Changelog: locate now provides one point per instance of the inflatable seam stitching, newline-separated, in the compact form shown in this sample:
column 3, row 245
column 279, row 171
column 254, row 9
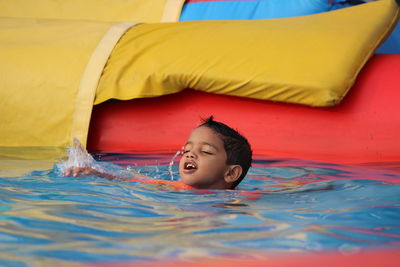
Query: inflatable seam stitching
column 90, row 78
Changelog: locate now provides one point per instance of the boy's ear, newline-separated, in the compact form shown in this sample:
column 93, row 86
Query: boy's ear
column 233, row 173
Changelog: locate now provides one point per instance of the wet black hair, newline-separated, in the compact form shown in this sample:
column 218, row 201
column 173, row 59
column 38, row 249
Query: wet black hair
column 236, row 146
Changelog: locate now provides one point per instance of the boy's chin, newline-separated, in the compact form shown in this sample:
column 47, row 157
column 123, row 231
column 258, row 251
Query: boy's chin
column 188, row 181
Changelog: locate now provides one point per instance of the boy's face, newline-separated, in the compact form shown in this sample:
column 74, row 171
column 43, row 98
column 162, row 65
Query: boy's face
column 203, row 164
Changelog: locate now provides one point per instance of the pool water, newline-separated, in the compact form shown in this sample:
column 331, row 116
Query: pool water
column 283, row 206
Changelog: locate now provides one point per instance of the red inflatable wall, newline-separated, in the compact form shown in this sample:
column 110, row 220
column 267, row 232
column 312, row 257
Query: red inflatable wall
column 364, row 128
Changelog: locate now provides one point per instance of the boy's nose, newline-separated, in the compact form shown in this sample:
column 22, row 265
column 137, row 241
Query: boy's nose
column 191, row 155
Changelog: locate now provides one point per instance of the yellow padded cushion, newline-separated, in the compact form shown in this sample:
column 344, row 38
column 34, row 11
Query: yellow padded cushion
column 102, row 10
column 311, row 60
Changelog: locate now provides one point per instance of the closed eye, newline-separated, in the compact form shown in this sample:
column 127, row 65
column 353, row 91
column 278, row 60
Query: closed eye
column 206, row 152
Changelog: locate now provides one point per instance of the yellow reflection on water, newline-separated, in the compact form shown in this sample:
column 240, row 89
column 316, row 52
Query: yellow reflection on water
column 17, row 161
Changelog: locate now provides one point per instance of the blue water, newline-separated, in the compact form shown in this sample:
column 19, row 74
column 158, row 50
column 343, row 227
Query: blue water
column 283, row 206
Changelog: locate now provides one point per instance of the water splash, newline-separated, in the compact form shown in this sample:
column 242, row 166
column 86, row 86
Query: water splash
column 171, row 163
column 78, row 157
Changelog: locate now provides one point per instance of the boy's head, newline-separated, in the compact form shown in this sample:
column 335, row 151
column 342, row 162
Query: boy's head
column 215, row 157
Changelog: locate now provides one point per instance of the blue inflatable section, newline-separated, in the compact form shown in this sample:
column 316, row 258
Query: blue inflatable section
column 270, row 9
column 257, row 9
column 392, row 44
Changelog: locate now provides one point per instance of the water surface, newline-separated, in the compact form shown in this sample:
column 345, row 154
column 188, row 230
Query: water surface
column 283, row 206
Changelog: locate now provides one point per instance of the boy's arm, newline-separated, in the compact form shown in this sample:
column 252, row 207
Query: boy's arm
column 81, row 163
column 83, row 171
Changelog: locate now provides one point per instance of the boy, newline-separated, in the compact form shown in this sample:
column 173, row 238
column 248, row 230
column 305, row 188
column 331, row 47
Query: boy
column 214, row 157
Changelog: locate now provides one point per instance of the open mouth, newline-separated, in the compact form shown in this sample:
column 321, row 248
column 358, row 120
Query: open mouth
column 190, row 166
